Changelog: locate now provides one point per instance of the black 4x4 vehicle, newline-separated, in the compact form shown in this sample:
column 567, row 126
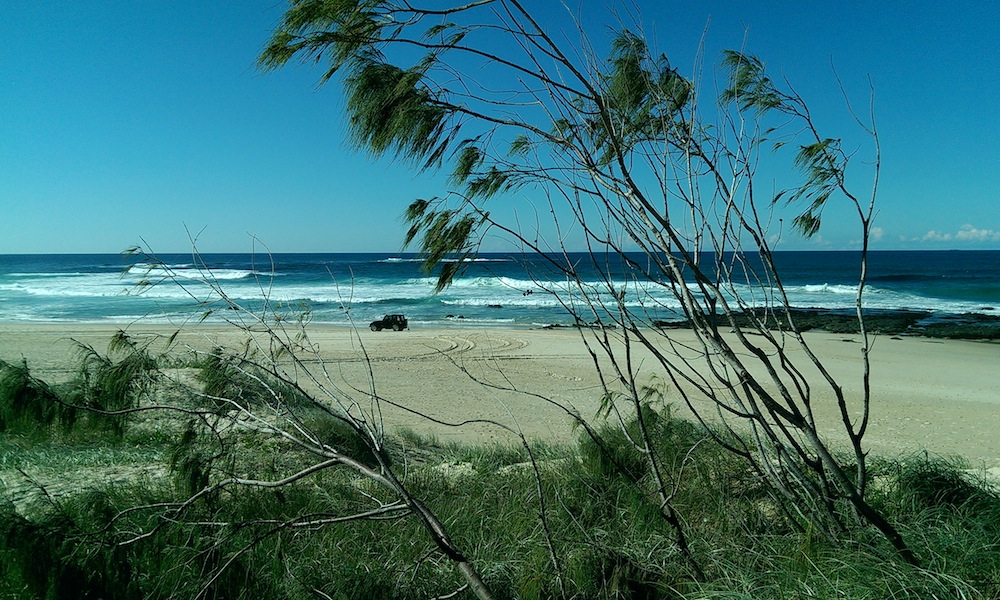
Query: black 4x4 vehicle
column 396, row 322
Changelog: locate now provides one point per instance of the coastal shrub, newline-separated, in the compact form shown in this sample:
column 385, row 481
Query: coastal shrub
column 28, row 404
column 191, row 461
column 955, row 512
column 222, row 382
column 937, row 483
column 483, row 458
column 109, row 385
column 232, row 382
column 608, row 573
column 613, row 451
column 774, row 567
column 687, row 455
column 52, row 558
column 488, row 458
column 612, row 119
column 334, row 430
column 605, row 525
column 87, row 546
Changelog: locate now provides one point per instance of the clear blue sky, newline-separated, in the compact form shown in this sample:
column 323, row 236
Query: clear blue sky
column 123, row 121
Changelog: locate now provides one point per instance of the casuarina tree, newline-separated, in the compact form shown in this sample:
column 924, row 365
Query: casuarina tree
column 562, row 137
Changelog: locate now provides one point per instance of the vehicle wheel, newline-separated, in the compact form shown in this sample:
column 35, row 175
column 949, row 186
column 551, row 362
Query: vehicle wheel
column 397, row 327
column 375, row 327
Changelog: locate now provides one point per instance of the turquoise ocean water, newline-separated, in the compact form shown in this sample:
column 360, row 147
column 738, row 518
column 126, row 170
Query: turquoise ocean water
column 497, row 290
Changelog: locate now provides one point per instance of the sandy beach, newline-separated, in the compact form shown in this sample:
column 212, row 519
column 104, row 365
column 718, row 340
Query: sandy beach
column 938, row 396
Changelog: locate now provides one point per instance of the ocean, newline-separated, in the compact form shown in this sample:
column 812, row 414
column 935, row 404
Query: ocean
column 496, row 291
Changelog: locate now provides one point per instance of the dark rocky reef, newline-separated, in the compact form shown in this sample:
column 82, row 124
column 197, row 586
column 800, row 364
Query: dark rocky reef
column 922, row 323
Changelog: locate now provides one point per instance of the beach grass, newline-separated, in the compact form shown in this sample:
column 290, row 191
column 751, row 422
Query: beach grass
column 606, row 532
column 85, row 512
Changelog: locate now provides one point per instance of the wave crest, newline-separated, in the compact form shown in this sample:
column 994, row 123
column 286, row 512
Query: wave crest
column 192, row 272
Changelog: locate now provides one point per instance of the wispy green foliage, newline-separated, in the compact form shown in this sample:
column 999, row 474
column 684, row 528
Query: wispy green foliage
column 824, row 171
column 38, row 558
column 627, row 83
column 444, row 234
column 339, row 31
column 334, row 431
column 232, row 381
column 749, row 86
column 470, row 157
column 620, row 149
column 489, row 183
column 823, row 165
column 938, row 484
column 520, row 146
column 73, row 553
column 114, row 382
column 616, row 453
column 642, row 99
column 391, row 111
column 191, row 461
column 641, row 90
column 821, row 162
column 224, row 384
column 28, row 404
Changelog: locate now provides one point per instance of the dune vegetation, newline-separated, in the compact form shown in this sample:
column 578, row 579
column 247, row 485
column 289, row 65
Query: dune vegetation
column 103, row 503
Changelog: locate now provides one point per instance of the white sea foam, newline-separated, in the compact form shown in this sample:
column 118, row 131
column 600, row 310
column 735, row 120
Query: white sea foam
column 192, row 272
column 464, row 319
column 143, row 267
column 477, row 291
column 44, row 275
column 68, row 287
column 825, row 288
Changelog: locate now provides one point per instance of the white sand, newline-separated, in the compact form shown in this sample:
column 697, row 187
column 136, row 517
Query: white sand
column 933, row 395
